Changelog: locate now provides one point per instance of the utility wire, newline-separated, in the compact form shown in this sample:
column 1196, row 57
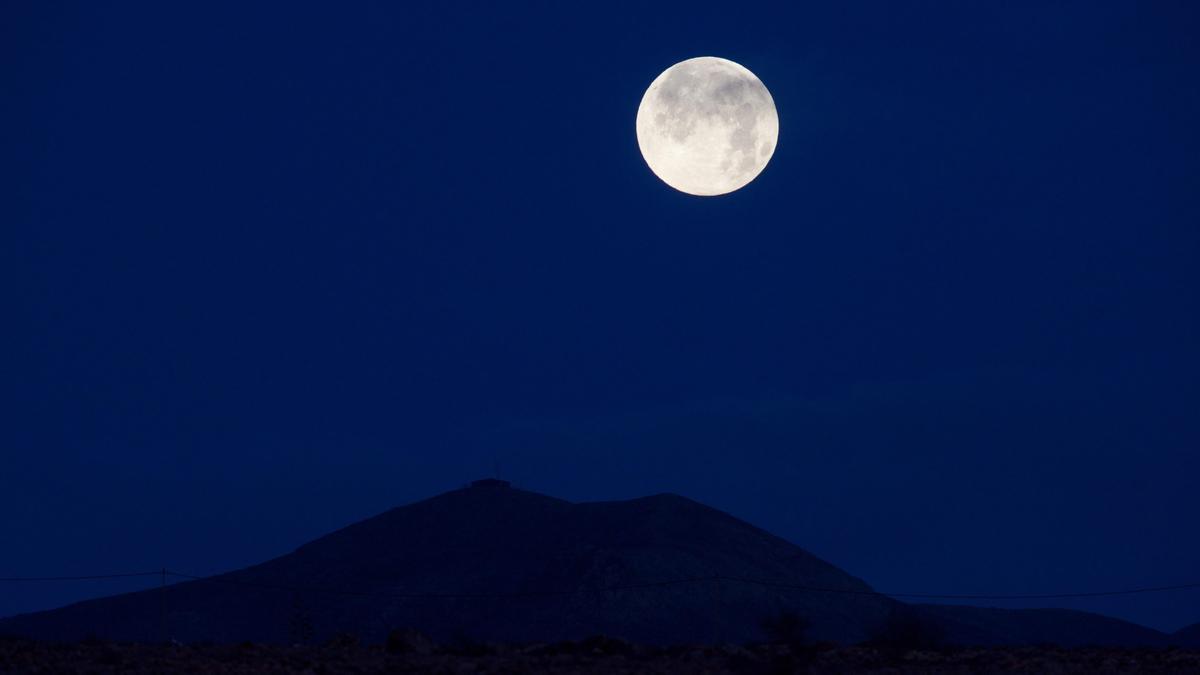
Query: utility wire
column 607, row 589
column 88, row 577
column 690, row 580
column 951, row 596
column 444, row 596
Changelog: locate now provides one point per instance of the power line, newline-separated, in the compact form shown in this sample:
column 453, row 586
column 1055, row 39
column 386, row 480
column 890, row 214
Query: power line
column 445, row 596
column 616, row 588
column 952, row 596
column 692, row 580
column 88, row 577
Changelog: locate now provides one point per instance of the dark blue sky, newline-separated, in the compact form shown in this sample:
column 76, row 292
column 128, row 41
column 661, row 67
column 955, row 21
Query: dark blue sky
column 267, row 272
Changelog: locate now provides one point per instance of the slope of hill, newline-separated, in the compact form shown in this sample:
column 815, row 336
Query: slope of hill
column 1068, row 628
column 490, row 540
column 1188, row 636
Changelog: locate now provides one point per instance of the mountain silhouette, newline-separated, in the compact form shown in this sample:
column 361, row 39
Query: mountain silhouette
column 1189, row 636
column 490, row 562
column 959, row 624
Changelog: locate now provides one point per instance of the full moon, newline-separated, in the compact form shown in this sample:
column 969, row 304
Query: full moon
column 707, row 126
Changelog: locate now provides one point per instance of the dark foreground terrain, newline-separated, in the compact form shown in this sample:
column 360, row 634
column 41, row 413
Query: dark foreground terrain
column 594, row 655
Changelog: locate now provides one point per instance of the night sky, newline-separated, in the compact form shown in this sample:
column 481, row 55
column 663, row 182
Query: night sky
column 266, row 272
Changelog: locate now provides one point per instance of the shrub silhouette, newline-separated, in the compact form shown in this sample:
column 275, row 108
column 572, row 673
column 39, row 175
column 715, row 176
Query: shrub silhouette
column 462, row 643
column 406, row 641
column 300, row 626
column 789, row 629
column 786, row 628
column 906, row 630
column 603, row 644
column 341, row 640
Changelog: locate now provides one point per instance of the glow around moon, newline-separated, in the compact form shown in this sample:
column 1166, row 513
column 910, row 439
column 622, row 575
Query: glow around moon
column 707, row 126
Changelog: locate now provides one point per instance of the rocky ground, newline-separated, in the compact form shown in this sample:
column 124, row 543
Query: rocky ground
column 413, row 654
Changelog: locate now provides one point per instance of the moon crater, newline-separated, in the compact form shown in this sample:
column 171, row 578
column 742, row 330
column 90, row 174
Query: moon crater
column 707, row 126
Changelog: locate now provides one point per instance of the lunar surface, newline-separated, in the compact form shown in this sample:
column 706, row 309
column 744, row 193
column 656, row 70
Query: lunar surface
column 707, row 126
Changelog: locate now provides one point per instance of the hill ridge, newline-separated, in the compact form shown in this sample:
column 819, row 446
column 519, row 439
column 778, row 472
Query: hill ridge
column 487, row 540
